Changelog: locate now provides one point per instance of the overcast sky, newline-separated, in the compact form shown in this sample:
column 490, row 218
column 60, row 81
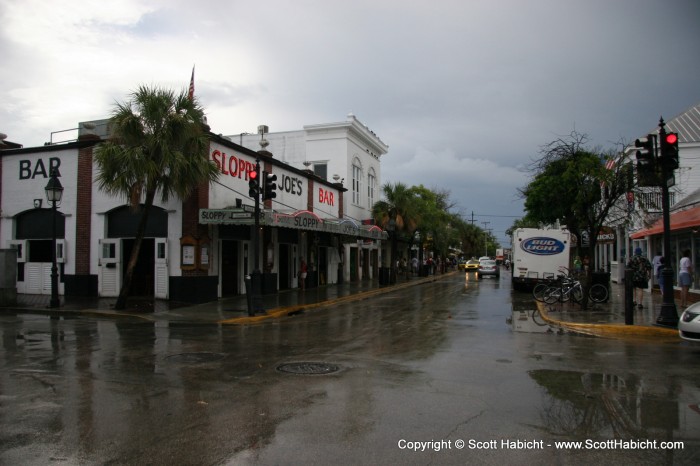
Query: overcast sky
column 464, row 92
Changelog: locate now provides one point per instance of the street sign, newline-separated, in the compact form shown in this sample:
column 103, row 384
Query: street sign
column 226, row 216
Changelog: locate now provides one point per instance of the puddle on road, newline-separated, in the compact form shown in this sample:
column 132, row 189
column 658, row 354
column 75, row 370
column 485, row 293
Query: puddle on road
column 529, row 321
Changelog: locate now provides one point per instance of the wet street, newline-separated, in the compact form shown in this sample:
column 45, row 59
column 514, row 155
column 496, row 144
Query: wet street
column 452, row 372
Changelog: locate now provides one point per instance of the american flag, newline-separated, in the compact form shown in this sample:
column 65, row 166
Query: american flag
column 191, row 92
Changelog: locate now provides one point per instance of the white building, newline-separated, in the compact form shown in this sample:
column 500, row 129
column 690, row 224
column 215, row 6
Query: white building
column 345, row 152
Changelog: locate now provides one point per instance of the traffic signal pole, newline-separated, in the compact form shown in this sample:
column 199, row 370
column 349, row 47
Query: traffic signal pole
column 668, row 316
column 253, row 281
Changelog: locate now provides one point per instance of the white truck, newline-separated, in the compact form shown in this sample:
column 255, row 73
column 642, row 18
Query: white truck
column 539, row 255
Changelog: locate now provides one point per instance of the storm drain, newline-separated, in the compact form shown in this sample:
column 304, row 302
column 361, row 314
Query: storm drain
column 308, row 368
column 195, row 358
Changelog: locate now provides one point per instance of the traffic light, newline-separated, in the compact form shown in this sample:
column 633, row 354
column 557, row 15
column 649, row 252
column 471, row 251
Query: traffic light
column 270, row 186
column 254, row 184
column 646, row 161
column 669, row 150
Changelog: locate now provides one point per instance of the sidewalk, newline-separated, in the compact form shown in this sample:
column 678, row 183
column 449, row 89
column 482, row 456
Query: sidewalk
column 607, row 319
column 232, row 310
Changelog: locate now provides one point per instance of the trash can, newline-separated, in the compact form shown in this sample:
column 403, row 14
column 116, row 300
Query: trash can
column 384, row 274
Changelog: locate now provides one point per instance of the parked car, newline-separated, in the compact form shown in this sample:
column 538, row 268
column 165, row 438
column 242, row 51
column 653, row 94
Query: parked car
column 488, row 267
column 472, row 264
column 689, row 323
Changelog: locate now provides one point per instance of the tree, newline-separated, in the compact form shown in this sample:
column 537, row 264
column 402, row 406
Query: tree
column 397, row 209
column 158, row 143
column 579, row 186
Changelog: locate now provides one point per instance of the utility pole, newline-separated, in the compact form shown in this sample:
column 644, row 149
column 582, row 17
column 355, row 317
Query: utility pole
column 486, row 247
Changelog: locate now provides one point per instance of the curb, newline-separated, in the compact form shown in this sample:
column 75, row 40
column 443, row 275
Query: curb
column 287, row 310
column 611, row 330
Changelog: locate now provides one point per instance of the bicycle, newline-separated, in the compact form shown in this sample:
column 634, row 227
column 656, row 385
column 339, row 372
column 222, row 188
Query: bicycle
column 539, row 289
column 572, row 289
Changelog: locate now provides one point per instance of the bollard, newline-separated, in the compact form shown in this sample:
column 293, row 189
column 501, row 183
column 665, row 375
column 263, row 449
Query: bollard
column 629, row 298
column 249, row 295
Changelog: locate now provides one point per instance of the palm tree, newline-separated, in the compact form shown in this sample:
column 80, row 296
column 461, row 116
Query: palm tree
column 398, row 206
column 158, row 142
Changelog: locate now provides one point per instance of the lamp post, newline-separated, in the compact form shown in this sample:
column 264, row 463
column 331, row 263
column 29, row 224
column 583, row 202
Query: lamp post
column 54, row 193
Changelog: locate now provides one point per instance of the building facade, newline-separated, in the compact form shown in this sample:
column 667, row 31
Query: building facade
column 194, row 250
column 345, row 152
column 647, row 231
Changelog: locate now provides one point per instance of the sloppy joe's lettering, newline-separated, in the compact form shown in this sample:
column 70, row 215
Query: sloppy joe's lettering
column 231, row 165
column 289, row 184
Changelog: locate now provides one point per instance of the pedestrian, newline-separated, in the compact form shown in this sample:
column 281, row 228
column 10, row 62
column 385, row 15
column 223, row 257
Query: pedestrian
column 660, row 272
column 578, row 265
column 641, row 269
column 302, row 275
column 685, row 276
column 656, row 263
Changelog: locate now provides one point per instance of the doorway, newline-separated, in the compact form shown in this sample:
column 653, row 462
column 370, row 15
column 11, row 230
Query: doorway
column 143, row 279
column 229, row 268
column 284, row 267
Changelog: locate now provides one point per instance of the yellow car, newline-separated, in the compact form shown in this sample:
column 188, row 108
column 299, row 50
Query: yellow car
column 471, row 265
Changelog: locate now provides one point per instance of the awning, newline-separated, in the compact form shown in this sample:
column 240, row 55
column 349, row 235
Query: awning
column 305, row 220
column 688, row 218
column 301, row 220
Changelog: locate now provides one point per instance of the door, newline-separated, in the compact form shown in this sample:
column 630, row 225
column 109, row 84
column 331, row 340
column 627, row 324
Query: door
column 284, row 267
column 110, row 267
column 229, row 268
column 160, row 285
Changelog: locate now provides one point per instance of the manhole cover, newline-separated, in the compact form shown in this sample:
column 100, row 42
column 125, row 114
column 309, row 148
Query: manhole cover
column 195, row 358
column 308, row 368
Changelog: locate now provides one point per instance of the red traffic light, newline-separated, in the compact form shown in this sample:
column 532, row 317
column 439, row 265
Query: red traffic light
column 253, row 174
column 671, row 138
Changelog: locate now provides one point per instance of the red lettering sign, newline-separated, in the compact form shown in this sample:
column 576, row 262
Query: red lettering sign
column 234, row 166
column 325, row 197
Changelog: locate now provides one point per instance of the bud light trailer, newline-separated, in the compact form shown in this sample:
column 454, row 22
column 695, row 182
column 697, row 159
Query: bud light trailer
column 538, row 255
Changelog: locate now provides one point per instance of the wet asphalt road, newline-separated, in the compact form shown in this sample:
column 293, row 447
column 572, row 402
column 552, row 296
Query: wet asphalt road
column 425, row 368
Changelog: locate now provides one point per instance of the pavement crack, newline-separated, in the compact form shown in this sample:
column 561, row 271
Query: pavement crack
column 465, row 422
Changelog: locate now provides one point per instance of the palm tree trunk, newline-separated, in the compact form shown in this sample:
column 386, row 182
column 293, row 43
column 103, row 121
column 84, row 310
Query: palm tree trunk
column 140, row 232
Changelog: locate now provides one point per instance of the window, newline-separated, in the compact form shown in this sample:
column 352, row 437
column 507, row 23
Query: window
column 356, row 181
column 371, row 185
column 321, row 170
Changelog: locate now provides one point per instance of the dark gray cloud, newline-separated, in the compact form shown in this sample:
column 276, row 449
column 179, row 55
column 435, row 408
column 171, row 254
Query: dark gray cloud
column 464, row 93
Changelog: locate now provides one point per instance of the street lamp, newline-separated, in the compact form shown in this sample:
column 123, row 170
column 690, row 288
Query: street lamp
column 54, row 193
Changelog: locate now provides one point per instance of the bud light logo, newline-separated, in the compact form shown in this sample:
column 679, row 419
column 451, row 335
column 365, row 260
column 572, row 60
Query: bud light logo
column 542, row 246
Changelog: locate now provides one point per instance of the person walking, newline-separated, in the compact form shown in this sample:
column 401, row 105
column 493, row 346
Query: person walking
column 641, row 269
column 656, row 263
column 302, row 275
column 685, row 276
column 660, row 272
